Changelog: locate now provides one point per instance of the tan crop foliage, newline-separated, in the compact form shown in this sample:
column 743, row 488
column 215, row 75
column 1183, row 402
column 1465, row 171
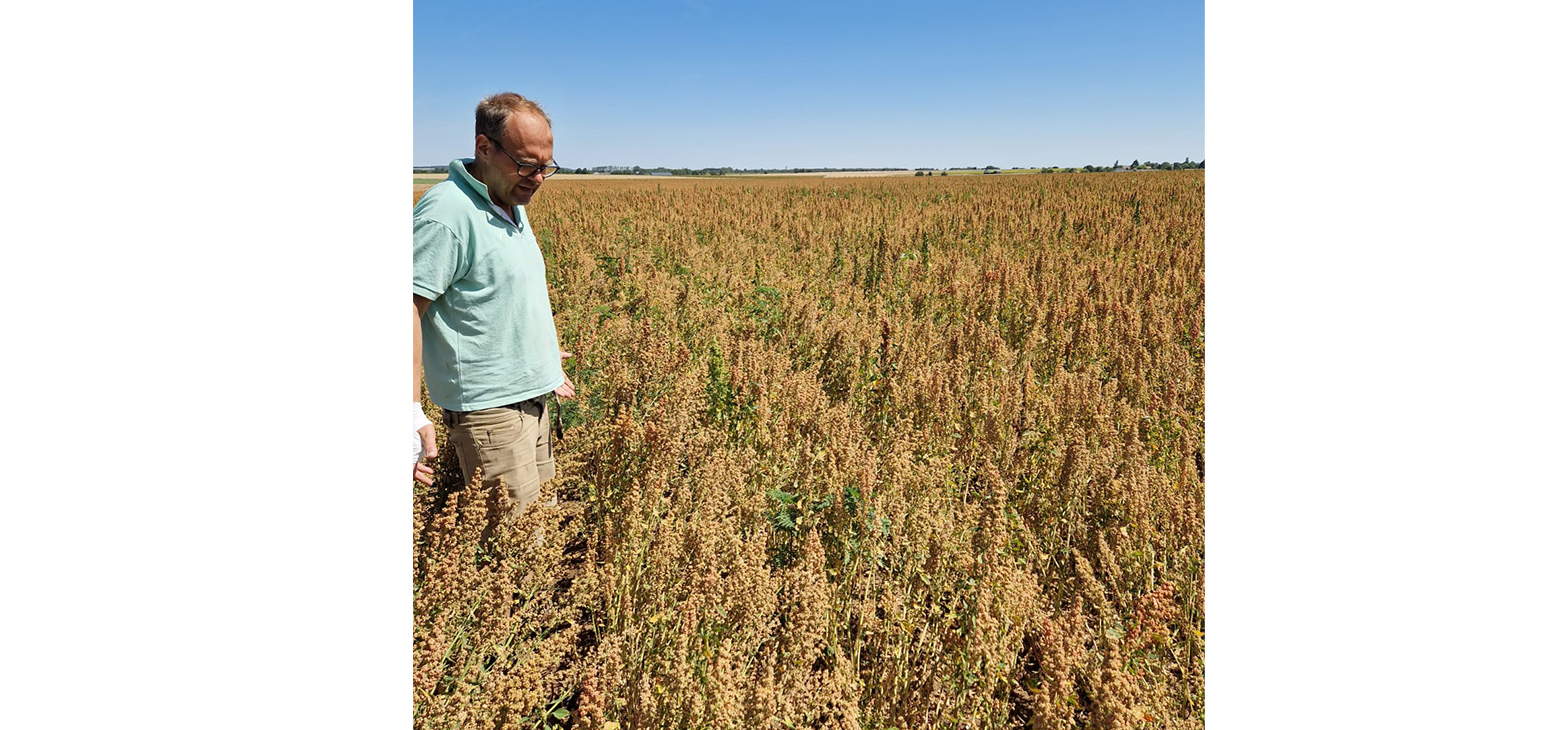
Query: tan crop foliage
column 855, row 453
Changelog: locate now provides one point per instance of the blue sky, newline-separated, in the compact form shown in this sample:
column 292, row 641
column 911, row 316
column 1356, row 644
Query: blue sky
column 708, row 83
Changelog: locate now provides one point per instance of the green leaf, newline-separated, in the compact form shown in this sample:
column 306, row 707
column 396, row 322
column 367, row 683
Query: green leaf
column 780, row 495
column 852, row 494
column 561, row 714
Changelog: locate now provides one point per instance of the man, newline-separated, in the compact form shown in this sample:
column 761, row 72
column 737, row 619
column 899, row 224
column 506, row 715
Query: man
column 481, row 317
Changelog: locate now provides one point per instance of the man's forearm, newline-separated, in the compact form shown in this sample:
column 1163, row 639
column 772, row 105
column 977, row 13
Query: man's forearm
column 416, row 353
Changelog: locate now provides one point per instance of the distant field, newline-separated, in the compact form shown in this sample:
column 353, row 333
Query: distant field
column 982, row 172
column 422, row 181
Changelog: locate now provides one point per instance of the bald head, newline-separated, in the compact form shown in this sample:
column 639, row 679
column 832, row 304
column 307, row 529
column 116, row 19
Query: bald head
column 494, row 113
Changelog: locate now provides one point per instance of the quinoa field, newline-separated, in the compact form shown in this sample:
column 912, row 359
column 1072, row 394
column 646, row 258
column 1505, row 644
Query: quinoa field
column 874, row 453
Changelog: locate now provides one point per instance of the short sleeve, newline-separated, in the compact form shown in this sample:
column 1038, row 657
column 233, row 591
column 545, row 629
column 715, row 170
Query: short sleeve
column 438, row 258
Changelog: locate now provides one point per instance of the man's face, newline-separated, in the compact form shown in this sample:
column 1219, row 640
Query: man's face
column 528, row 139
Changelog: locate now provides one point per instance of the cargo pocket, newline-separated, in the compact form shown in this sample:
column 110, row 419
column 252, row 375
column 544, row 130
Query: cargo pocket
column 498, row 435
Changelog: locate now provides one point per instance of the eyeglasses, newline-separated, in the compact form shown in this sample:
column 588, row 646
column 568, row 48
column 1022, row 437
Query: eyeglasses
column 525, row 170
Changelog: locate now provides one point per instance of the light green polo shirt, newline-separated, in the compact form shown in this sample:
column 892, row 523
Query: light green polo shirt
column 488, row 337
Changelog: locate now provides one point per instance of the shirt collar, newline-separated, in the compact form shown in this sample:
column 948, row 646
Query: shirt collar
column 478, row 191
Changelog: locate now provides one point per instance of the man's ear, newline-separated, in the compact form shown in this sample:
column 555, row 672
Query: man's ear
column 484, row 145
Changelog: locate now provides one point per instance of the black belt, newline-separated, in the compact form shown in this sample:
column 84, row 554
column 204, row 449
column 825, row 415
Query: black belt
column 454, row 418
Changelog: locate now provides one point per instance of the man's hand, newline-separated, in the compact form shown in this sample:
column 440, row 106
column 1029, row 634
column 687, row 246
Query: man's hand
column 424, row 446
column 567, row 389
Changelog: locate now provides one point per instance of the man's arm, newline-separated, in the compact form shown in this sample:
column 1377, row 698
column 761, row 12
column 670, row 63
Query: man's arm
column 420, row 471
column 419, row 305
column 438, row 260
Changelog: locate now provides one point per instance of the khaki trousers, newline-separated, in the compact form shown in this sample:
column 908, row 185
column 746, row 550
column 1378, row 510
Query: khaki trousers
column 512, row 444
